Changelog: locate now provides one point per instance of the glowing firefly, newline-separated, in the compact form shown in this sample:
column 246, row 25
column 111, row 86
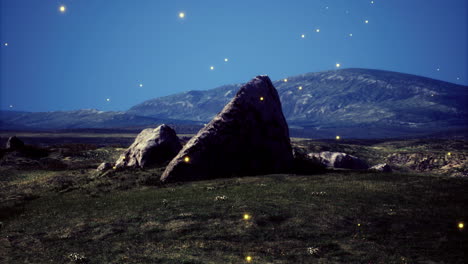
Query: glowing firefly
column 338, row 137
column 141, row 85
column 302, row 36
column 300, row 88
column 449, row 154
column 248, row 258
column 261, row 98
column 182, row 15
column 338, row 65
column 246, row 216
column 317, row 30
column 6, row 44
column 62, row 9
column 187, row 159
column 226, row 59
column 461, row 225
column 285, row 80
column 367, row 21
column 108, row 99
column 211, row 67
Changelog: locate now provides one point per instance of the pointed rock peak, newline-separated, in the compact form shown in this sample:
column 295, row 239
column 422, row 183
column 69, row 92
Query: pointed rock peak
column 249, row 136
column 151, row 147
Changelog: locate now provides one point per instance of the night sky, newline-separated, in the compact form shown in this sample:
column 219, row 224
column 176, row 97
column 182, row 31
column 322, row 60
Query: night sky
column 111, row 55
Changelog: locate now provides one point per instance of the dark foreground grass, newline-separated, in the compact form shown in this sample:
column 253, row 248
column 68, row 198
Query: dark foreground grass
column 345, row 217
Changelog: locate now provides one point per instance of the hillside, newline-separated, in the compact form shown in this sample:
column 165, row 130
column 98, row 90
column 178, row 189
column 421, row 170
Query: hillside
column 358, row 103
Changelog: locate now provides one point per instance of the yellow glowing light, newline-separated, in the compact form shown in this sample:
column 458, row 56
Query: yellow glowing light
column 338, row 65
column 246, row 216
column 449, row 154
column 212, row 68
column 285, row 80
column 181, row 14
column 187, row 159
column 114, row 167
column 62, row 9
column 338, row 137
column 461, row 225
column 317, row 30
column 261, row 98
column 226, row 59
column 248, row 258
column 302, row 36
column 300, row 88
column 358, row 224
column 367, row 21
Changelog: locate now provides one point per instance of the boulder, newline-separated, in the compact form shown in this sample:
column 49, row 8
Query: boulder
column 249, row 136
column 339, row 160
column 14, row 143
column 383, row 167
column 151, row 147
column 104, row 166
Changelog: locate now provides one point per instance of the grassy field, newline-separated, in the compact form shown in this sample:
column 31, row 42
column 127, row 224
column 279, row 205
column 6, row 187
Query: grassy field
column 58, row 209
column 337, row 217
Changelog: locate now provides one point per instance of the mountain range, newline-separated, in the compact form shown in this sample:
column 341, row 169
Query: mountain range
column 359, row 103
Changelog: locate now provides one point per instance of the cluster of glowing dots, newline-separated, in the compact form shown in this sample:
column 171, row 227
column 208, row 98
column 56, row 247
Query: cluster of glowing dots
column 248, row 258
column 338, row 137
column 187, row 159
column 181, row 15
column 62, row 9
column 461, row 225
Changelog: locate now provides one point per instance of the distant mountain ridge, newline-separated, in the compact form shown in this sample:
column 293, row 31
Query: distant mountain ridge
column 361, row 102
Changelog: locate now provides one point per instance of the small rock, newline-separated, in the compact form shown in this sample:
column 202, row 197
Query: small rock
column 14, row 143
column 338, row 160
column 104, row 166
column 383, row 167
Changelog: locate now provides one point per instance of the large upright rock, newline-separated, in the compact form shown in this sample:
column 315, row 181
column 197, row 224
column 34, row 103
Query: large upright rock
column 151, row 147
column 249, row 136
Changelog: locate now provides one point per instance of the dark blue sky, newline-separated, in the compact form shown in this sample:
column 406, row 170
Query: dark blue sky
column 99, row 50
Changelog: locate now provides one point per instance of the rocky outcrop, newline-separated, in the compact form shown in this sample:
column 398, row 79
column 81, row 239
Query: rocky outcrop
column 249, row 136
column 14, row 143
column 433, row 162
column 383, row 167
column 339, row 160
column 151, row 147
